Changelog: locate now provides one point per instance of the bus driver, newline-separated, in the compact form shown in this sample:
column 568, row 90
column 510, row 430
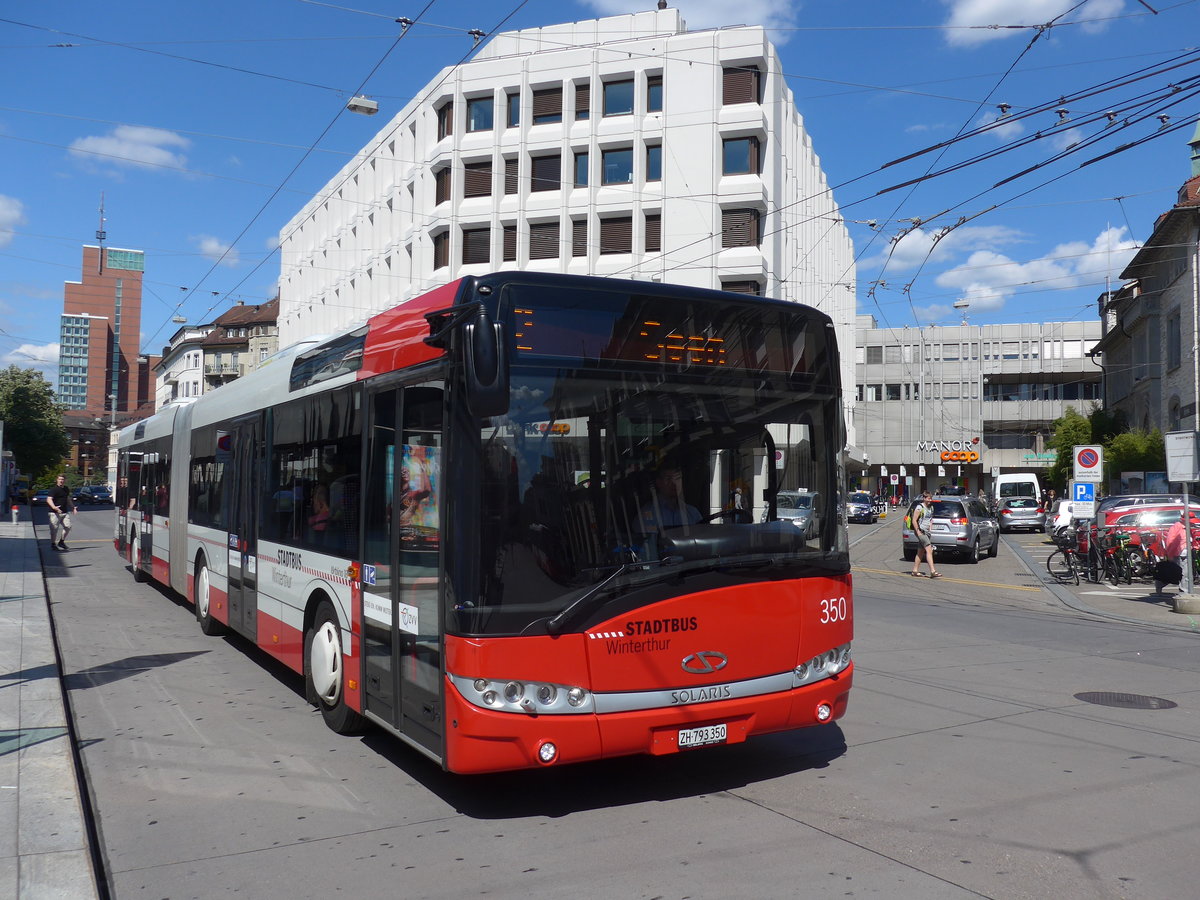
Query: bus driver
column 666, row 507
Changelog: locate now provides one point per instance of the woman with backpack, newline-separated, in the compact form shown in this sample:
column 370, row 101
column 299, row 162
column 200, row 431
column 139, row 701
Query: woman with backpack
column 921, row 520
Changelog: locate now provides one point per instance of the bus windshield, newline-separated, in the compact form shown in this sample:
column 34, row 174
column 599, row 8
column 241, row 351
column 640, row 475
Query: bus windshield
column 606, row 479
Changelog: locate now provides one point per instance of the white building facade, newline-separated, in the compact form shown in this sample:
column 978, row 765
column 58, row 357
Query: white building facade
column 953, row 404
column 625, row 147
column 180, row 372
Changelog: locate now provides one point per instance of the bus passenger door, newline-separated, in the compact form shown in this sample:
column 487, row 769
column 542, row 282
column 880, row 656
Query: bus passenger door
column 246, row 437
column 402, row 621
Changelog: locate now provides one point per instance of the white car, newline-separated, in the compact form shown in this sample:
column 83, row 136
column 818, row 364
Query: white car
column 1059, row 518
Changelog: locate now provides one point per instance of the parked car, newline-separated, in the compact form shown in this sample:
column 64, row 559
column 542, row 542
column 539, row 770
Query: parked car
column 799, row 507
column 1123, row 512
column 960, row 525
column 41, row 498
column 1058, row 517
column 94, row 494
column 1017, row 513
column 1118, row 501
column 860, row 507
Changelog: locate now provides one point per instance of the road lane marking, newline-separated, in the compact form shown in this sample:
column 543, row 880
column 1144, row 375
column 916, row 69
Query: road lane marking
column 945, row 577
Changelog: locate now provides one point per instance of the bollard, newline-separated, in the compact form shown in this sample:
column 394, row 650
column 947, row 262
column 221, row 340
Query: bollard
column 15, row 510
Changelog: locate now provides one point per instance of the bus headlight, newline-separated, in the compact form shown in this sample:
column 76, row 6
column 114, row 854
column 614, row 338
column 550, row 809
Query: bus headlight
column 822, row 666
column 527, row 698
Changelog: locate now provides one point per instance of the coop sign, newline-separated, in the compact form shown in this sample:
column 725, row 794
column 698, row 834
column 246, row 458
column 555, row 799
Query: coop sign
column 959, row 451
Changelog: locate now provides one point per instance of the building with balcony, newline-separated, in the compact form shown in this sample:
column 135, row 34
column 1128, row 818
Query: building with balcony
column 625, row 146
column 955, row 404
column 238, row 340
column 180, row 372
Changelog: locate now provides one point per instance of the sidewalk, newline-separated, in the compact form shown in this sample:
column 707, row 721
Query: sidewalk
column 1132, row 603
column 44, row 849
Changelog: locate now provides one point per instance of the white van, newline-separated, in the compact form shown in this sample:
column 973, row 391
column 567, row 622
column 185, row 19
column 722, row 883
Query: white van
column 1016, row 484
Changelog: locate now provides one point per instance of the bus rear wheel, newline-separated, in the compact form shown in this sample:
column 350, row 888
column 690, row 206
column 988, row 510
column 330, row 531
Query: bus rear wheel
column 325, row 672
column 203, row 592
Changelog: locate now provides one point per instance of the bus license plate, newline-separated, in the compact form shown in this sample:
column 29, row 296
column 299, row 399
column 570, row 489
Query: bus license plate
column 700, row 737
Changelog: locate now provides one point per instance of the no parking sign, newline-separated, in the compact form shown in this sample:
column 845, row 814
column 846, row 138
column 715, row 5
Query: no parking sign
column 1089, row 463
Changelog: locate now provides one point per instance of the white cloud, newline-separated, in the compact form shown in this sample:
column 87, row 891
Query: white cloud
column 1006, row 131
column 12, row 215
column 42, row 357
column 918, row 244
column 272, row 243
column 133, row 145
column 983, row 13
column 217, row 250
column 987, row 279
column 1062, row 140
column 716, row 13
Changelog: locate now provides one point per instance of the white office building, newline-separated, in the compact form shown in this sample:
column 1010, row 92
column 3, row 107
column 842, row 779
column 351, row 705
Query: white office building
column 625, row 146
column 956, row 404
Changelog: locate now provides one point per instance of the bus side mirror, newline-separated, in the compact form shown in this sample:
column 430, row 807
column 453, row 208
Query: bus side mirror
column 486, row 367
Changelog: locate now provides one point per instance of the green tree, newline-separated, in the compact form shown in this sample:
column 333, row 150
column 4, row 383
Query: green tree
column 1070, row 431
column 1136, row 451
column 1107, row 425
column 33, row 426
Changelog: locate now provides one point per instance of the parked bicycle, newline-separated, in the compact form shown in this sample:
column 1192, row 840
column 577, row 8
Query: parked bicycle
column 1066, row 564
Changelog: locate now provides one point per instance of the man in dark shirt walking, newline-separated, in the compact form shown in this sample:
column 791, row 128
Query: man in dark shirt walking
column 61, row 506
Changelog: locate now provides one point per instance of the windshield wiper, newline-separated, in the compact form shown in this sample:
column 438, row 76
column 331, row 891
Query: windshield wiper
column 585, row 601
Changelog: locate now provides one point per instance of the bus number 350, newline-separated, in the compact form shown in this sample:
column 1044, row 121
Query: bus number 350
column 834, row 610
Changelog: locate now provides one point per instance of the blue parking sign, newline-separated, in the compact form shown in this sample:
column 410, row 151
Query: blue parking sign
column 1083, row 492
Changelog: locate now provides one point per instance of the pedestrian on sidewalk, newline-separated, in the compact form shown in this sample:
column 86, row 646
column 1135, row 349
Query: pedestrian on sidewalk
column 61, row 507
column 1173, row 552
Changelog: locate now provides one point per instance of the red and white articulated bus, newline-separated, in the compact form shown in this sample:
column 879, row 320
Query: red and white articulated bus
column 523, row 520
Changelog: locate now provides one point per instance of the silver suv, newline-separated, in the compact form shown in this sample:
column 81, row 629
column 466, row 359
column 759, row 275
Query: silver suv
column 960, row 525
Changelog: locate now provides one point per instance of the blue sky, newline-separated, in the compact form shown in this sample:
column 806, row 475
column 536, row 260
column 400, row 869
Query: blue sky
column 207, row 126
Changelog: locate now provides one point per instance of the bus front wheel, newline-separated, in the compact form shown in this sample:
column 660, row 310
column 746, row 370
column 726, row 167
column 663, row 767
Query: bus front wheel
column 135, row 546
column 325, row 672
column 203, row 591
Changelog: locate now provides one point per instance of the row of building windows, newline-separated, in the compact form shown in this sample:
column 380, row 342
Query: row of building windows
column 618, row 97
column 739, row 228
column 1073, row 390
column 970, row 350
column 740, row 156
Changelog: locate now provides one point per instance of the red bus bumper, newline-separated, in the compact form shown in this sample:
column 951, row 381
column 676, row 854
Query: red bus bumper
column 480, row 740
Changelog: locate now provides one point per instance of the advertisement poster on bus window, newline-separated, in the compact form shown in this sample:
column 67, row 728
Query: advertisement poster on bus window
column 420, row 475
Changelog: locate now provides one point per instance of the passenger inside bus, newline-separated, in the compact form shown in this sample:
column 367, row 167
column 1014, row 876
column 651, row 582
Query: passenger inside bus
column 318, row 519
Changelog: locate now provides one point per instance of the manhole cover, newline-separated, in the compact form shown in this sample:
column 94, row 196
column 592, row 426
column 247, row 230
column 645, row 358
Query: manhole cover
column 1125, row 701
